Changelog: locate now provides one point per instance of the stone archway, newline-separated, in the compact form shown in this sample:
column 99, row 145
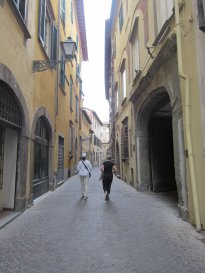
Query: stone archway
column 42, row 137
column 7, row 79
column 159, row 141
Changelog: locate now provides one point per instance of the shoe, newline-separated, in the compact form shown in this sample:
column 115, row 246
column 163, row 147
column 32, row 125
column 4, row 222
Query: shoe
column 107, row 197
column 83, row 196
column 86, row 198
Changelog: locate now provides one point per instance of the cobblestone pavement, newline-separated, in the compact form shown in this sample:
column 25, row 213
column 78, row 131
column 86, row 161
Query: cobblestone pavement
column 133, row 232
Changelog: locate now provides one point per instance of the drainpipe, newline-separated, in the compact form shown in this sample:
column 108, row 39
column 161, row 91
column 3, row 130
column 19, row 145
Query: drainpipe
column 187, row 117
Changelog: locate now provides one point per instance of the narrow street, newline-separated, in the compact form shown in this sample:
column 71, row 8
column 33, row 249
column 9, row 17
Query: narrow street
column 133, row 232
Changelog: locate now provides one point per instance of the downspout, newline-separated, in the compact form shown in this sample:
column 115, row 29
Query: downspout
column 57, row 69
column 187, row 118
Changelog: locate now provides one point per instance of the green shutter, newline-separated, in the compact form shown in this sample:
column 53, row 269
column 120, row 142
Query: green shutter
column 54, row 40
column 71, row 94
column 62, row 75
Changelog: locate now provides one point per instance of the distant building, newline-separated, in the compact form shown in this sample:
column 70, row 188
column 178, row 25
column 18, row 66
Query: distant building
column 96, row 137
column 105, row 140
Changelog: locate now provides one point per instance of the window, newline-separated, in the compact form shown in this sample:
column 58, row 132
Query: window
column 114, row 48
column 201, row 14
column 71, row 12
column 76, row 109
column 54, row 42
column 123, row 81
column 21, row 7
column 62, row 12
column 71, row 142
column 77, row 41
column 135, row 55
column 47, row 44
column 2, row 139
column 71, row 94
column 62, row 73
column 47, row 30
column 124, row 140
column 77, row 72
column 60, row 174
column 163, row 11
column 116, row 98
column 121, row 18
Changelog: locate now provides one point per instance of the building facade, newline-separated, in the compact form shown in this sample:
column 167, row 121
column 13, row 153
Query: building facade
column 152, row 84
column 39, row 110
column 86, row 136
column 104, row 136
column 95, row 140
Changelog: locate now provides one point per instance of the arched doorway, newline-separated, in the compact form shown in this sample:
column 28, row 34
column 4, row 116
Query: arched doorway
column 11, row 123
column 41, row 152
column 159, row 141
column 161, row 155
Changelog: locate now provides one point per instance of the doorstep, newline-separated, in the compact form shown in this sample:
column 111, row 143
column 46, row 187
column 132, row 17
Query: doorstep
column 7, row 216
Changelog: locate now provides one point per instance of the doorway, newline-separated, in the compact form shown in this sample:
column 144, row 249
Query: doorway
column 161, row 153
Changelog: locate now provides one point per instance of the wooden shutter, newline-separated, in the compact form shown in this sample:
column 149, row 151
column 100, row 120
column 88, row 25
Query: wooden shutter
column 62, row 75
column 54, row 41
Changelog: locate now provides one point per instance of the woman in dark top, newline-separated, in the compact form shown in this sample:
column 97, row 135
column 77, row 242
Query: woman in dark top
column 107, row 168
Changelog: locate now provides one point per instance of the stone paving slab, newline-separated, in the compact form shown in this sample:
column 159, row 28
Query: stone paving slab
column 132, row 233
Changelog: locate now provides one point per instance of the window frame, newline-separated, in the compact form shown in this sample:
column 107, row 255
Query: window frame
column 162, row 16
column 20, row 19
column 71, row 94
column 121, row 18
column 123, row 80
column 62, row 73
column 47, row 29
column 135, row 48
column 63, row 12
column 125, row 140
column 17, row 3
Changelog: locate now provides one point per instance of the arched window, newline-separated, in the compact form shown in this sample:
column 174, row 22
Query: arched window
column 9, row 108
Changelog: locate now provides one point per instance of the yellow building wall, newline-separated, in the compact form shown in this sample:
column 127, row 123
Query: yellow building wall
column 190, row 69
column 17, row 53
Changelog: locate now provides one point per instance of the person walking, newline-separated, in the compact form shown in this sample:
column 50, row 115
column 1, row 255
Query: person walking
column 108, row 167
column 84, row 169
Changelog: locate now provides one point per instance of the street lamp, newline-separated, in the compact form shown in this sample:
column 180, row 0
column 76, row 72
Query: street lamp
column 69, row 47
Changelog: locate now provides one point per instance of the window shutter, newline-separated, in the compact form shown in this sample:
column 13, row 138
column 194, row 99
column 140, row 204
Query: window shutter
column 54, row 40
column 201, row 14
column 71, row 93
column 62, row 75
column 42, row 16
column 63, row 11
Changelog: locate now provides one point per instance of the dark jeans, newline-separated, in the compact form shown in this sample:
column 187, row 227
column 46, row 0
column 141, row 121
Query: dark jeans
column 107, row 181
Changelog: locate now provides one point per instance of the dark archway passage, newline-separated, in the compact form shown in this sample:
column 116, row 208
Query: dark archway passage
column 161, row 150
column 156, row 157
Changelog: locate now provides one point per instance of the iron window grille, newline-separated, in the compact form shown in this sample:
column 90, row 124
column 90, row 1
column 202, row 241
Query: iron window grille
column 9, row 109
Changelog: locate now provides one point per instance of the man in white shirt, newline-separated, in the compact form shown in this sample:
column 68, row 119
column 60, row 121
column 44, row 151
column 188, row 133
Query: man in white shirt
column 84, row 169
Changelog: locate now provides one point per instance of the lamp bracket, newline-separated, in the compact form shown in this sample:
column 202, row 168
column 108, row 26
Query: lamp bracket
column 43, row 65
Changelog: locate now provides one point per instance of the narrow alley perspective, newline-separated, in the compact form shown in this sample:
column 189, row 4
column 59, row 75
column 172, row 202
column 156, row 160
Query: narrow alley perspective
column 133, row 232
column 115, row 88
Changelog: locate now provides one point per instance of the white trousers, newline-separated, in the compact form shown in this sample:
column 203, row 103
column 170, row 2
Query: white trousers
column 84, row 185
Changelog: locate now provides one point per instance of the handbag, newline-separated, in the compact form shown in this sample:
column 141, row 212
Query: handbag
column 86, row 168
